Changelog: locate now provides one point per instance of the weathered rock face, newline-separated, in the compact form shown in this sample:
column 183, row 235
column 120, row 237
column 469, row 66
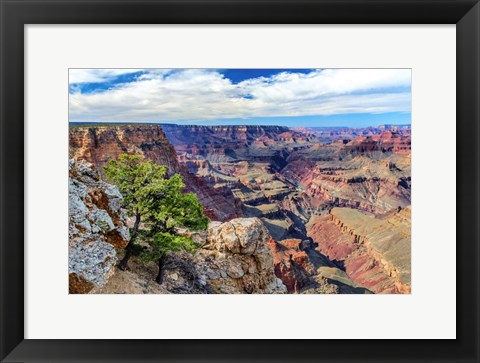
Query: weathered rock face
column 97, row 225
column 304, row 270
column 292, row 265
column 98, row 144
column 235, row 258
column 219, row 204
column 230, row 144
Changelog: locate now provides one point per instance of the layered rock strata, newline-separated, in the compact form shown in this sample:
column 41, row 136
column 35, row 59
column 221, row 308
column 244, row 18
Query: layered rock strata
column 374, row 251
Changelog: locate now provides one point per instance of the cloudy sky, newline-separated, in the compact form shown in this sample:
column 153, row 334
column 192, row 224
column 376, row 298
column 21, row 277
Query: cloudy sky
column 293, row 97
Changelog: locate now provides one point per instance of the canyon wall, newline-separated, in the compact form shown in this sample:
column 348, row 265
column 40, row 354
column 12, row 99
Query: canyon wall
column 374, row 251
column 220, row 144
column 98, row 144
column 182, row 135
column 370, row 173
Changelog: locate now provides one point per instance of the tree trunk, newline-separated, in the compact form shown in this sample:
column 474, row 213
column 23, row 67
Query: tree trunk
column 123, row 265
column 161, row 271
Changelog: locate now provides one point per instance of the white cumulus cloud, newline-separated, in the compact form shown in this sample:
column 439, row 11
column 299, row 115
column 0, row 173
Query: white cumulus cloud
column 203, row 94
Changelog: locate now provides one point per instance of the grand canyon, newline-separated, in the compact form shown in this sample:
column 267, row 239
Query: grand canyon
column 299, row 210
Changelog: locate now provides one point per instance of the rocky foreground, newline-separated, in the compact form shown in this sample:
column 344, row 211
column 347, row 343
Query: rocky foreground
column 234, row 256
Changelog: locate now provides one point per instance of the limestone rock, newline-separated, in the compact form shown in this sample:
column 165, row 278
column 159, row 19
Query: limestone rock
column 97, row 225
column 236, row 259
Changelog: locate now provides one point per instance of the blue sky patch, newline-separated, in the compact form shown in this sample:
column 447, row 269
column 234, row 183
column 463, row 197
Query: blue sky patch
column 96, row 87
column 239, row 75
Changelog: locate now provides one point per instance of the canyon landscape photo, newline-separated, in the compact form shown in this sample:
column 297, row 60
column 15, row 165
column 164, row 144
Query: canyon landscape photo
column 239, row 181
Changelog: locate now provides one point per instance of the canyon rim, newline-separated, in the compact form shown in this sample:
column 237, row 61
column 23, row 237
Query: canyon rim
column 239, row 181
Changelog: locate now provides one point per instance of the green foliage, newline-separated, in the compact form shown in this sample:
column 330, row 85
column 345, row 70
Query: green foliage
column 171, row 208
column 160, row 202
column 135, row 178
column 164, row 242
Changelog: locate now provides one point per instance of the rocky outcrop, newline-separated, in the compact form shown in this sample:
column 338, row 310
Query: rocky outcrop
column 235, row 258
column 304, row 270
column 97, row 225
column 100, row 143
column 292, row 265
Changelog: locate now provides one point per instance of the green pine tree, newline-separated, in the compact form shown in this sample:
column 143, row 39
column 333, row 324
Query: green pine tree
column 170, row 210
column 159, row 203
column 133, row 176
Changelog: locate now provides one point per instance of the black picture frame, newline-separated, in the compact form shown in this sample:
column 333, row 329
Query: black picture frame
column 17, row 13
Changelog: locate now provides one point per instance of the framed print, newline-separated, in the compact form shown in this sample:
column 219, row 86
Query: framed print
column 205, row 181
column 272, row 204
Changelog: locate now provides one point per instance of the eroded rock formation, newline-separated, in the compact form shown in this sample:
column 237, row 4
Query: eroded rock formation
column 235, row 258
column 97, row 225
column 292, row 265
